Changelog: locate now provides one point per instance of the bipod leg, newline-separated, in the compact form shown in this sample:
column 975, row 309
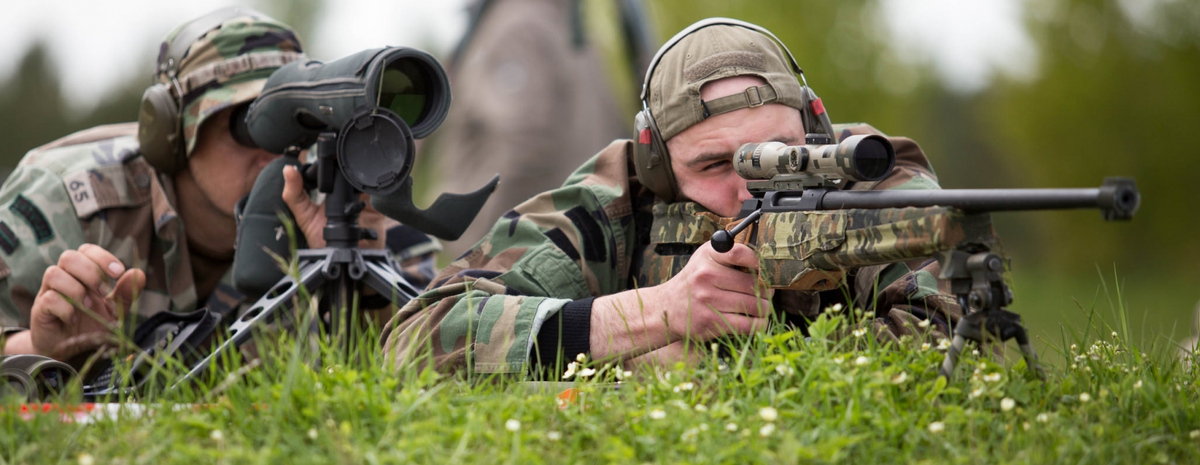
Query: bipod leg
column 989, row 325
column 951, row 360
column 262, row 312
column 1022, row 337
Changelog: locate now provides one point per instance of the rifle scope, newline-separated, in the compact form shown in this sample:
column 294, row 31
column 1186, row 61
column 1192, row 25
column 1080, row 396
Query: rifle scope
column 857, row 158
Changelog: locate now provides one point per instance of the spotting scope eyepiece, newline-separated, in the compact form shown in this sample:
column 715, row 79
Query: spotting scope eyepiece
column 857, row 158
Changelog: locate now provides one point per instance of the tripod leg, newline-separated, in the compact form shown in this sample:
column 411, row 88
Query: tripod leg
column 1022, row 338
column 382, row 276
column 261, row 312
column 951, row 360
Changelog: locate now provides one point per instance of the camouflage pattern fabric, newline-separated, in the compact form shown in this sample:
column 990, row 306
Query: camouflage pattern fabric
column 603, row 233
column 102, row 192
column 793, row 245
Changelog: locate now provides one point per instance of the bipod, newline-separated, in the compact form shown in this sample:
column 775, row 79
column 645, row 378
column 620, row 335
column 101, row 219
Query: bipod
column 976, row 278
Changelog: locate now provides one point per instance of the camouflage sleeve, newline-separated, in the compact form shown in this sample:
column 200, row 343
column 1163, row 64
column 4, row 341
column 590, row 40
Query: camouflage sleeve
column 37, row 223
column 484, row 310
column 903, row 293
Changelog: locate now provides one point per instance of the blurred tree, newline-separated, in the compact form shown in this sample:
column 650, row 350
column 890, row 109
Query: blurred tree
column 31, row 106
column 1117, row 95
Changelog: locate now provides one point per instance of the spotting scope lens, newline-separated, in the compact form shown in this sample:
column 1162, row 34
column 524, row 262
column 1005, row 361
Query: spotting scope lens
column 857, row 158
column 413, row 86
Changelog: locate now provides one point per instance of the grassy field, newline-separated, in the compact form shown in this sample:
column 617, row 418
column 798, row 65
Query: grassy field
column 780, row 398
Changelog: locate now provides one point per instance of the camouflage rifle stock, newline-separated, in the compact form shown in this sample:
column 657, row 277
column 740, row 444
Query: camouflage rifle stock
column 807, row 231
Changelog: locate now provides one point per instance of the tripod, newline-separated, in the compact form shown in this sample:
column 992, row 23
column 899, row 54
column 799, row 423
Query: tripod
column 337, row 271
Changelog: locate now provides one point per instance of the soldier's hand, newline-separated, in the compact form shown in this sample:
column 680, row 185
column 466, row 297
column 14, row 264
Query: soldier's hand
column 310, row 216
column 713, row 295
column 80, row 301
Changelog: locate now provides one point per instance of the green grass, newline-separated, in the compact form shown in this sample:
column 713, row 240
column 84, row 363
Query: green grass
column 780, row 398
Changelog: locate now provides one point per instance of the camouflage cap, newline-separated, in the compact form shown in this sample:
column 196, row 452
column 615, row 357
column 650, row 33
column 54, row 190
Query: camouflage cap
column 721, row 49
column 226, row 66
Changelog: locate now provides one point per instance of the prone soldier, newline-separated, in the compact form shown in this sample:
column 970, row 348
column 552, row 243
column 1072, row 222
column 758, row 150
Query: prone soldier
column 616, row 263
column 141, row 216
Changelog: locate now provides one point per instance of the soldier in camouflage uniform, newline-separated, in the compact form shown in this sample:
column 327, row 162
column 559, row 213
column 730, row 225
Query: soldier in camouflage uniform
column 604, row 266
column 90, row 226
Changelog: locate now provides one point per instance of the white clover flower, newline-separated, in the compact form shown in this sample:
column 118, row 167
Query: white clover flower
column 513, row 425
column 658, row 414
column 768, row 413
column 703, row 427
column 992, row 377
column 943, row 344
column 1025, row 426
column 1194, row 434
column 1138, row 384
column 937, row 427
column 860, row 332
column 976, row 393
column 86, row 459
column 861, row 360
column 731, row 427
column 1074, row 348
column 925, row 346
column 784, row 370
column 312, row 433
column 586, row 372
column 687, row 386
column 582, row 357
column 701, row 408
column 836, row 308
column 217, row 435
column 689, row 435
column 570, row 370
column 1114, row 335
column 1085, row 397
column 1043, row 417
column 975, row 352
column 839, row 359
column 923, row 323
column 1007, row 404
column 553, row 435
column 900, row 378
column 766, row 430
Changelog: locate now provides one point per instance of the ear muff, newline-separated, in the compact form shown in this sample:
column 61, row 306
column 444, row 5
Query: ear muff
column 652, row 163
column 160, row 135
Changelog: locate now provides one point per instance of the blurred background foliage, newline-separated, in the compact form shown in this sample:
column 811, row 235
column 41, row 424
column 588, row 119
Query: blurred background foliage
column 1114, row 92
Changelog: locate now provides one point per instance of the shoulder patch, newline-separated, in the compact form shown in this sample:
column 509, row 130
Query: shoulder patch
column 33, row 215
column 8, row 239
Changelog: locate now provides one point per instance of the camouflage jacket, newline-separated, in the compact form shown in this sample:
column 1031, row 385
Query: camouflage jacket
column 95, row 187
column 602, row 233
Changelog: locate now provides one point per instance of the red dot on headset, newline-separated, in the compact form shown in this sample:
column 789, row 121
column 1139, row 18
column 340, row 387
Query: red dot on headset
column 644, row 136
column 818, row 107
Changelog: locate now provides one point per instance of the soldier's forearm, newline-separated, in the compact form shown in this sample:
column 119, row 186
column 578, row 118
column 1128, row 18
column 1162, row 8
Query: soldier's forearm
column 628, row 324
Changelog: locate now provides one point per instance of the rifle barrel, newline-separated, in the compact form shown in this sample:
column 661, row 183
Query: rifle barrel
column 1118, row 198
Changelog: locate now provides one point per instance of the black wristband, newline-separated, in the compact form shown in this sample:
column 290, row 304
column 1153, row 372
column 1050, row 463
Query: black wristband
column 565, row 335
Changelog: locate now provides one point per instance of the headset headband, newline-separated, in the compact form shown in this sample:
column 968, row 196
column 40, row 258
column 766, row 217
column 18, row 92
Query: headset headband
column 706, row 23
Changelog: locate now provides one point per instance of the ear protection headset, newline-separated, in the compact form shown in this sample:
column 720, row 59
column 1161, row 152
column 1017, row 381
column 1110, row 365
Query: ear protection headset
column 160, row 122
column 652, row 162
